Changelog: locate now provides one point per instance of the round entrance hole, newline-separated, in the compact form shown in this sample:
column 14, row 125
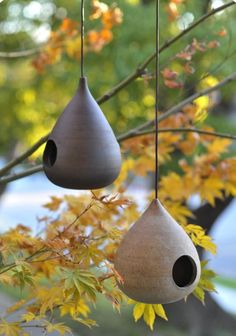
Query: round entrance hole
column 50, row 154
column 184, row 271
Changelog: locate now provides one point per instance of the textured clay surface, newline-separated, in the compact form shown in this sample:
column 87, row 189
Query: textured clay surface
column 148, row 253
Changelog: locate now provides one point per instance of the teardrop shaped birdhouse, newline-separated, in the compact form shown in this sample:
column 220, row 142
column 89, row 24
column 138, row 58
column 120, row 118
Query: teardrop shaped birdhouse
column 82, row 151
column 156, row 259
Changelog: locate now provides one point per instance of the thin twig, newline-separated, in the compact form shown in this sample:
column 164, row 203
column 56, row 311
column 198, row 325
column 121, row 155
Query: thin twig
column 44, row 250
column 141, row 68
column 19, row 54
column 17, row 176
column 178, row 107
column 24, row 155
column 14, row 177
column 185, row 130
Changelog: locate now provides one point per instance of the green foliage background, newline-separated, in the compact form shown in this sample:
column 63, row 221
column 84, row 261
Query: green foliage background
column 30, row 103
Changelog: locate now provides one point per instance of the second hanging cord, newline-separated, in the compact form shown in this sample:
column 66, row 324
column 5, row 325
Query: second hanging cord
column 157, row 96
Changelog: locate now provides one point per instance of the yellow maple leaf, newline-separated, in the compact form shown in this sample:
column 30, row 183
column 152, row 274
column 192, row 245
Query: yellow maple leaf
column 9, row 329
column 72, row 47
column 138, row 311
column 28, row 317
column 219, row 146
column 16, row 306
column 54, row 204
column 59, row 327
column 178, row 211
column 202, row 105
column 210, row 189
column 159, row 310
column 174, row 183
column 149, row 315
column 148, row 312
column 205, row 283
column 199, row 238
column 6, row 279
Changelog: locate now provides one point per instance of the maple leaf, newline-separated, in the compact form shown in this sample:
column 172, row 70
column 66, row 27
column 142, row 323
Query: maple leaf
column 138, row 311
column 213, row 44
column 185, row 55
column 75, row 308
column 172, row 10
column 219, row 146
column 9, row 328
column 205, row 283
column 98, row 8
column 113, row 16
column 174, row 182
column 16, row 306
column 22, row 275
column 59, row 327
column 173, row 84
column 49, row 297
column 149, row 315
column 222, row 33
column 188, row 68
column 148, row 312
column 6, row 279
column 54, row 204
column 28, row 317
column 210, row 189
column 169, row 74
column 199, row 238
column 87, row 322
column 80, row 282
column 202, row 105
column 159, row 310
column 188, row 145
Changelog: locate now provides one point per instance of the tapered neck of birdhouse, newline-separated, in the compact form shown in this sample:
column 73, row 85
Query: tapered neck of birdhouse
column 83, row 83
column 156, row 203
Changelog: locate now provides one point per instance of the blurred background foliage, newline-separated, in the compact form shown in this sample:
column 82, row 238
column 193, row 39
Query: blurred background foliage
column 29, row 102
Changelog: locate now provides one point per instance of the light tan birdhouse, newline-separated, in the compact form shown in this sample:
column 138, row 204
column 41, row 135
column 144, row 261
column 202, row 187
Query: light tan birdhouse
column 156, row 259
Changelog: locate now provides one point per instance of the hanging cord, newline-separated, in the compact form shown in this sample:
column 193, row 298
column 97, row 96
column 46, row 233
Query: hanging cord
column 157, row 96
column 82, row 38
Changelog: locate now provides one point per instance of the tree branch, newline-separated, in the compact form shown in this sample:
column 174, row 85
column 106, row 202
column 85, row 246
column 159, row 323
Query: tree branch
column 19, row 54
column 132, row 133
column 184, row 130
column 23, row 156
column 141, row 68
column 17, row 176
column 109, row 94
column 178, row 107
column 39, row 168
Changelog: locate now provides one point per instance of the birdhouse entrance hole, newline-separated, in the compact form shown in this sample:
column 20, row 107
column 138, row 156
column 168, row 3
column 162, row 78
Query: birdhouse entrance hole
column 50, row 153
column 184, row 271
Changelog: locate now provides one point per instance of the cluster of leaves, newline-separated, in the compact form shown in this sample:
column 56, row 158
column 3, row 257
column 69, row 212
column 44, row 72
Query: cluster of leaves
column 183, row 63
column 66, row 267
column 202, row 171
column 173, row 8
column 67, row 38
